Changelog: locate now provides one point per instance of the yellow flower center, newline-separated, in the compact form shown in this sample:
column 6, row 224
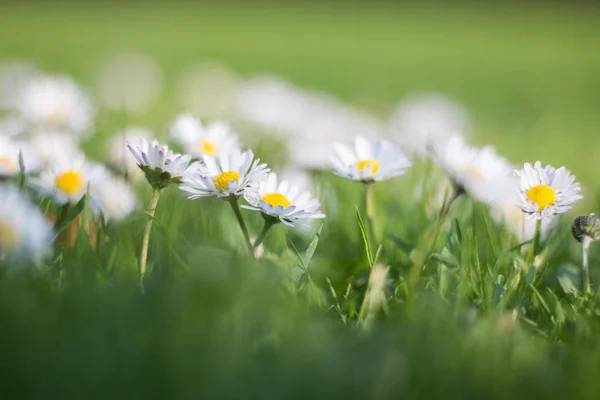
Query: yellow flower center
column 222, row 180
column 56, row 117
column 206, row 147
column 542, row 195
column 9, row 164
column 361, row 165
column 476, row 174
column 276, row 199
column 71, row 182
column 8, row 236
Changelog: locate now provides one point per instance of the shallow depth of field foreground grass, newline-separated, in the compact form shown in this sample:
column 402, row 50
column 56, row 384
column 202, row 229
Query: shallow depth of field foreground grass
column 431, row 299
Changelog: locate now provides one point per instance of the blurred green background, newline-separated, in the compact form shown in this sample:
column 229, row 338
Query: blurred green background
column 215, row 324
column 528, row 72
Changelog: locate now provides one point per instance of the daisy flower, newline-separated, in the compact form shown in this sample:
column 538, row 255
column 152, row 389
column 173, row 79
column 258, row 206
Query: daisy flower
column 546, row 191
column 24, row 232
column 369, row 161
column 481, row 173
column 231, row 174
column 283, row 202
column 160, row 164
column 55, row 102
column 9, row 158
column 66, row 180
column 48, row 147
column 198, row 140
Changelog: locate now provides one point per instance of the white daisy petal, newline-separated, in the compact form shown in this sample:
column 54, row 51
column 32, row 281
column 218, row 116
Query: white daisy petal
column 545, row 192
column 236, row 174
column 368, row 161
column 271, row 200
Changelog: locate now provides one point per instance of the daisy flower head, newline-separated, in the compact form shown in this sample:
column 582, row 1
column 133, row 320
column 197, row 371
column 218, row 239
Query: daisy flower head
column 480, row 172
column 57, row 103
column 546, row 191
column 160, row 164
column 369, row 161
column 282, row 202
column 11, row 154
column 24, row 232
column 231, row 174
column 211, row 139
column 66, row 180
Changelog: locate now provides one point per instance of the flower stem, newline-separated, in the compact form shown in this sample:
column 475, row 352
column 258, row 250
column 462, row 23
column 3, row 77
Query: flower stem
column 146, row 239
column 370, row 210
column 233, row 200
column 585, row 245
column 268, row 224
column 536, row 243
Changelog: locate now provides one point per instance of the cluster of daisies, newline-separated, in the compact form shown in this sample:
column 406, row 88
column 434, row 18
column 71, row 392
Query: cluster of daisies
column 215, row 166
column 47, row 117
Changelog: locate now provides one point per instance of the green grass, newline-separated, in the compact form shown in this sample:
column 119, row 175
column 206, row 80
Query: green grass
column 461, row 316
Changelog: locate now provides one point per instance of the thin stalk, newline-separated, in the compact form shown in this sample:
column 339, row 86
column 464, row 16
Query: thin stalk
column 263, row 234
column 238, row 214
column 536, row 243
column 370, row 210
column 146, row 239
column 585, row 246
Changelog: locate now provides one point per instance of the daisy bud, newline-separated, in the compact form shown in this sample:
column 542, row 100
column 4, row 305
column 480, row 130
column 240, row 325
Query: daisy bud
column 586, row 225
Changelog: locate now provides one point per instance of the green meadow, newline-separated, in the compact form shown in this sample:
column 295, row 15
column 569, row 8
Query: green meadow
column 464, row 310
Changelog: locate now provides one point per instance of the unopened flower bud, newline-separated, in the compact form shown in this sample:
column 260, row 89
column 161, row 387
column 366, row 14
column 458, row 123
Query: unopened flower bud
column 586, row 225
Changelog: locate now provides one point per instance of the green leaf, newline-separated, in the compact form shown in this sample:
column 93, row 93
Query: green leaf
column 445, row 260
column 67, row 216
column 363, row 232
column 400, row 243
column 310, row 251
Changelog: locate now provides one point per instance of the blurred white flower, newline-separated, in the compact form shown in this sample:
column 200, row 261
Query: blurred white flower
column 119, row 156
column 481, row 173
column 284, row 202
column 161, row 165
column 24, row 232
column 546, row 191
column 112, row 196
column 368, row 161
column 49, row 147
column 66, row 180
column 12, row 125
column 312, row 122
column 9, row 158
column 211, row 139
column 311, row 148
column 129, row 81
column 14, row 74
column 232, row 174
column 57, row 103
column 208, row 90
column 273, row 104
column 424, row 120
